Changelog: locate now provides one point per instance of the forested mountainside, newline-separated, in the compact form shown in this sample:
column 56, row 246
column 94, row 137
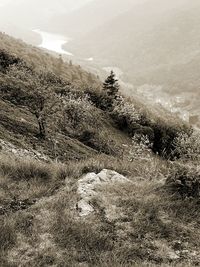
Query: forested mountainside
column 152, row 44
column 89, row 177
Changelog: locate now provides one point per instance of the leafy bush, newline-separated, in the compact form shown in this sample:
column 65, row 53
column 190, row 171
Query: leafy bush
column 7, row 60
column 98, row 141
column 185, row 180
column 164, row 136
column 187, row 146
column 161, row 134
column 141, row 148
column 99, row 98
column 78, row 112
column 125, row 115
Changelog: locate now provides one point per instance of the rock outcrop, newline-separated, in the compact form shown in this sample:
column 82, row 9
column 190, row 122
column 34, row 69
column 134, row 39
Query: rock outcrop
column 88, row 187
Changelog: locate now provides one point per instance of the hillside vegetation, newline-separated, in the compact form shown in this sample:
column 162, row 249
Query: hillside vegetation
column 58, row 123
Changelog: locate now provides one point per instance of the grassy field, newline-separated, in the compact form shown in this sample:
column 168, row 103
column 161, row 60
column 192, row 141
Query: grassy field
column 40, row 225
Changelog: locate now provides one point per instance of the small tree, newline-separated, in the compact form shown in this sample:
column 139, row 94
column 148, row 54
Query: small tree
column 111, row 86
column 39, row 95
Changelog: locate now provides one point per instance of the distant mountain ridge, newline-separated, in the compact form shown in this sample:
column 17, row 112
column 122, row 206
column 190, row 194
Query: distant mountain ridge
column 91, row 16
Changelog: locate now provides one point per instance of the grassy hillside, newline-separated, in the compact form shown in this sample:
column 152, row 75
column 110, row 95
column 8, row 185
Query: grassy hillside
column 56, row 125
column 38, row 59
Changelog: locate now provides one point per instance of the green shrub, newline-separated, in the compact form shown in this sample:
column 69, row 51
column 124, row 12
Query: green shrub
column 140, row 148
column 99, row 98
column 135, row 121
column 184, row 180
column 164, row 136
column 98, row 141
column 187, row 146
column 78, row 112
column 125, row 115
column 6, row 60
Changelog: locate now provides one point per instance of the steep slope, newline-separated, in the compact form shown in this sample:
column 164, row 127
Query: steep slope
column 66, row 97
column 63, row 142
column 36, row 58
column 31, row 80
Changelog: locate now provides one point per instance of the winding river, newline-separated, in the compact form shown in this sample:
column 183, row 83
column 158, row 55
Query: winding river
column 53, row 42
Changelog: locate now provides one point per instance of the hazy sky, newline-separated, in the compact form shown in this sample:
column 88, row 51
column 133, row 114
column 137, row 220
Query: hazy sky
column 3, row 2
column 34, row 10
column 6, row 2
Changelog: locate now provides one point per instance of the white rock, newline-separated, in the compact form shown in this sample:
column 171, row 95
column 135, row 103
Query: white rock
column 111, row 176
column 84, row 208
column 173, row 256
column 88, row 188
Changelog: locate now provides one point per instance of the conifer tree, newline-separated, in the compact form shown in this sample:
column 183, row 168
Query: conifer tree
column 111, row 86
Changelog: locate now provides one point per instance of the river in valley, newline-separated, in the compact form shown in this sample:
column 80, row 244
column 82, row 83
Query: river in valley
column 53, row 42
